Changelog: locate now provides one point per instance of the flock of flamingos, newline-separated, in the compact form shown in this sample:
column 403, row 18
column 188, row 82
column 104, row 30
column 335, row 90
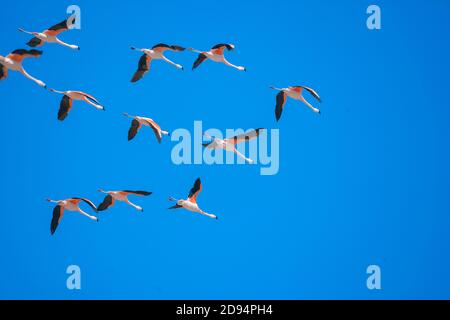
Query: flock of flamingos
column 14, row 61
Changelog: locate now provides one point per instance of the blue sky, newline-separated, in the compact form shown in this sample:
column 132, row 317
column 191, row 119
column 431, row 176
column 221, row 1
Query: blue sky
column 364, row 183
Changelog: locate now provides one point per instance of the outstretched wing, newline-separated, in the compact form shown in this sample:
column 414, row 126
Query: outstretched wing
column 135, row 126
column 89, row 202
column 253, row 134
column 138, row 193
column 143, row 68
column 108, row 202
column 60, row 27
column 88, row 96
column 58, row 213
column 3, row 72
column 312, row 92
column 200, row 59
column 20, row 54
column 35, row 42
column 281, row 101
column 219, row 48
column 161, row 47
column 64, row 107
column 196, row 189
column 156, row 129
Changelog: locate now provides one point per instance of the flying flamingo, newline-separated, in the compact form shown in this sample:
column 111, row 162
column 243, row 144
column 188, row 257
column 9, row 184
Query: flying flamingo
column 51, row 35
column 230, row 143
column 191, row 203
column 112, row 196
column 155, row 53
column 295, row 92
column 71, row 204
column 138, row 122
column 14, row 60
column 215, row 54
column 67, row 101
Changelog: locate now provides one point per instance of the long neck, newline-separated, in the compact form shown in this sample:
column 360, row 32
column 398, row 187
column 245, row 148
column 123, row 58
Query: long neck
column 56, row 91
column 194, row 50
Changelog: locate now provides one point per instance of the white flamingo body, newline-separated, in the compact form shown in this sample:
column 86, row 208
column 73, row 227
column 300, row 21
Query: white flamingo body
column 229, row 144
column 216, row 54
column 112, row 196
column 191, row 203
column 10, row 64
column 193, row 207
column 51, row 35
column 81, row 96
column 155, row 53
column 215, row 57
column 14, row 61
column 70, row 96
column 73, row 205
column 137, row 124
column 296, row 93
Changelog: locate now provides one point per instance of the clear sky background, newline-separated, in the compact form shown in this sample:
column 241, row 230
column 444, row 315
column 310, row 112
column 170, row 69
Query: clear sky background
column 364, row 183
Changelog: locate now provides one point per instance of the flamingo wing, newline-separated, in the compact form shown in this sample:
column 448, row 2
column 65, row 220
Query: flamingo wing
column 35, row 42
column 156, row 129
column 60, row 27
column 312, row 92
column 201, row 57
column 107, row 203
column 3, row 72
column 90, row 97
column 161, row 47
column 88, row 202
column 219, row 48
column 135, row 126
column 196, row 189
column 58, row 213
column 281, row 101
column 138, row 193
column 20, row 54
column 64, row 107
column 143, row 68
column 253, row 134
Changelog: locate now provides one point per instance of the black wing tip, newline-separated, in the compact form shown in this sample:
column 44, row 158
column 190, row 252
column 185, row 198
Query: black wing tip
column 102, row 208
column 277, row 116
column 139, row 192
column 36, row 52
